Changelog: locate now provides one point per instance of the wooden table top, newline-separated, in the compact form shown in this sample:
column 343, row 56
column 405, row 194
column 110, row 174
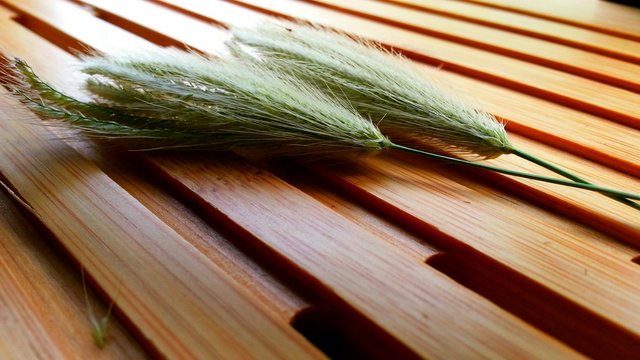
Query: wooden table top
column 214, row 256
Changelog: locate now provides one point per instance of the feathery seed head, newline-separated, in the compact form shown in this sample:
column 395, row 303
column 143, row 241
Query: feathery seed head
column 377, row 83
column 174, row 99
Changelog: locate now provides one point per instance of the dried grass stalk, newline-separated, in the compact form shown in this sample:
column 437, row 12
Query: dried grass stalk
column 170, row 99
column 385, row 87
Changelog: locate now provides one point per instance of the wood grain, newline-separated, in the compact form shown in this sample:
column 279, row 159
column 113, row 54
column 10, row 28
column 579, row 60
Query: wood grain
column 413, row 326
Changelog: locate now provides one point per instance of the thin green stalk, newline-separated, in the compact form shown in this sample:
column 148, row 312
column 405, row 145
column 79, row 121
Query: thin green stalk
column 579, row 185
column 568, row 175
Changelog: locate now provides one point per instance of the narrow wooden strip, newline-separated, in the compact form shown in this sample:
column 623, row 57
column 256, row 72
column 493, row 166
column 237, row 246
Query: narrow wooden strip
column 580, row 38
column 43, row 309
column 178, row 300
column 606, row 17
column 579, row 62
column 412, row 302
column 583, row 94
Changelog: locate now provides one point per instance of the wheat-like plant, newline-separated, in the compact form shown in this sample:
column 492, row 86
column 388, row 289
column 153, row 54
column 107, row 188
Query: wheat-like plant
column 380, row 84
column 170, row 99
column 174, row 99
column 384, row 86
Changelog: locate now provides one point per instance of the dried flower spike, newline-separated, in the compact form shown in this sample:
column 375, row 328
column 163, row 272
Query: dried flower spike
column 173, row 99
column 379, row 84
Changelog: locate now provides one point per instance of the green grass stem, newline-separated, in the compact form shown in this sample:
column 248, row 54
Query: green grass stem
column 547, row 165
column 580, row 185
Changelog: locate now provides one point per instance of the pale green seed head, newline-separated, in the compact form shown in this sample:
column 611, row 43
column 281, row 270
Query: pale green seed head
column 379, row 84
column 174, row 99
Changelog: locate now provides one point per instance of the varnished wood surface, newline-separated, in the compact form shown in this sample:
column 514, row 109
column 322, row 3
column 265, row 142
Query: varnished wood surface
column 213, row 256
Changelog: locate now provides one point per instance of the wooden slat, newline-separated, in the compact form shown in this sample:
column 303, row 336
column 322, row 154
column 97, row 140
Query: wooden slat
column 551, row 256
column 579, row 62
column 580, row 38
column 603, row 16
column 586, row 95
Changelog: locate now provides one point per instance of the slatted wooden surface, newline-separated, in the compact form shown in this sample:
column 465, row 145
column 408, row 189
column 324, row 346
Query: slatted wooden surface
column 213, row 256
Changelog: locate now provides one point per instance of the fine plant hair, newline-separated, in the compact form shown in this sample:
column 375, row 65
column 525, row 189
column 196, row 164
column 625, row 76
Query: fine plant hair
column 378, row 83
column 175, row 99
